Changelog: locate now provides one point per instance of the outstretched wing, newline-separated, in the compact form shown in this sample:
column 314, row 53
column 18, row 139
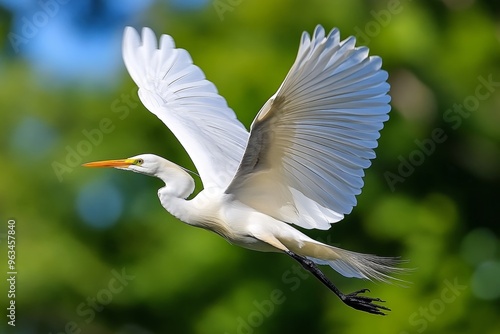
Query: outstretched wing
column 311, row 141
column 176, row 91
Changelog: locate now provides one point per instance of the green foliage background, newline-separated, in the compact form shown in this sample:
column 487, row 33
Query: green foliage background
column 443, row 218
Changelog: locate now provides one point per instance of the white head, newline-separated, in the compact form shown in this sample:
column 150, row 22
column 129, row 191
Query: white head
column 148, row 164
column 180, row 184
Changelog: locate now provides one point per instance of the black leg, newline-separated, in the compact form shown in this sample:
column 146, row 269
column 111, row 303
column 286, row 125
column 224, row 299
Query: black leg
column 353, row 300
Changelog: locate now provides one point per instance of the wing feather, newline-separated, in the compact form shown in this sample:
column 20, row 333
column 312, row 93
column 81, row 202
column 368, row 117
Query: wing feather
column 310, row 143
column 175, row 90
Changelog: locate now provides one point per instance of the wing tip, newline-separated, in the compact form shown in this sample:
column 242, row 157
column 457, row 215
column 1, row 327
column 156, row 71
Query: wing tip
column 130, row 36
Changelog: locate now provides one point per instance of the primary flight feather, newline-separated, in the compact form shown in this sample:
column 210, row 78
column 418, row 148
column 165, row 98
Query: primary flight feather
column 302, row 162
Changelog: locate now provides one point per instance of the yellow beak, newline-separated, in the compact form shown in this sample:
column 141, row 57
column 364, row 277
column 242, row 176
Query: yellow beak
column 110, row 163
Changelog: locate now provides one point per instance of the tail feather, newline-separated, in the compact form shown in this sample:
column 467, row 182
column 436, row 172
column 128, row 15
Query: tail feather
column 366, row 266
column 347, row 263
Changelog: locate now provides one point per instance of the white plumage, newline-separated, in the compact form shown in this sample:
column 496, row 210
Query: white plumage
column 311, row 141
column 176, row 91
column 302, row 162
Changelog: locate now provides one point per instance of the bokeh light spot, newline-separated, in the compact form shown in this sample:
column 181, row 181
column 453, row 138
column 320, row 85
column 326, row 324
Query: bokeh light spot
column 32, row 138
column 100, row 204
column 485, row 280
column 478, row 246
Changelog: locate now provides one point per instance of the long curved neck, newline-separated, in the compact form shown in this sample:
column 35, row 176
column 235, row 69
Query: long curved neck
column 178, row 186
column 178, row 183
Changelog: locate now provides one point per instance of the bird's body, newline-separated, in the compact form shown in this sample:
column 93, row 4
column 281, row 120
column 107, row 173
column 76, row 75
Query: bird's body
column 301, row 163
column 214, row 210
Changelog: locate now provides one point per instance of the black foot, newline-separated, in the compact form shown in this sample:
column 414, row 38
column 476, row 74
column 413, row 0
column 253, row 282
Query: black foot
column 353, row 300
column 364, row 303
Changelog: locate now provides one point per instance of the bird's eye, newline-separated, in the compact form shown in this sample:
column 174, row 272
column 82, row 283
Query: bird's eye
column 139, row 162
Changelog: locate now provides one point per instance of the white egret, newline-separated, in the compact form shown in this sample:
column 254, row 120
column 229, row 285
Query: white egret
column 302, row 162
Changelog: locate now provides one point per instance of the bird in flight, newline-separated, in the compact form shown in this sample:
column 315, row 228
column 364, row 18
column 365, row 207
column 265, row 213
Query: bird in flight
column 302, row 163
